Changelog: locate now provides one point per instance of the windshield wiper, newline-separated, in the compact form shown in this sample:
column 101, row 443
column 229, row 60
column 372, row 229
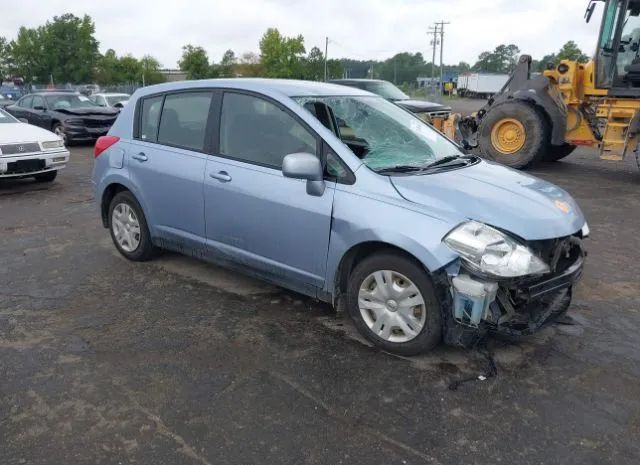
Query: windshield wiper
column 400, row 169
column 444, row 162
column 447, row 160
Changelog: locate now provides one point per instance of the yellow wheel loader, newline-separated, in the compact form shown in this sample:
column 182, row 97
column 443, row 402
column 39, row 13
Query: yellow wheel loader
column 546, row 116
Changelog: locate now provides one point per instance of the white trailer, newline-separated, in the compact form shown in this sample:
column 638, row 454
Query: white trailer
column 481, row 85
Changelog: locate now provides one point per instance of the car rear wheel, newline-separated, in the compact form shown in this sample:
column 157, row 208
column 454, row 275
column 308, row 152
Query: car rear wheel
column 49, row 176
column 128, row 228
column 392, row 302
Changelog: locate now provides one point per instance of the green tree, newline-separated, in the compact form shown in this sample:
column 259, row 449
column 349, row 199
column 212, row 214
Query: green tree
column 151, row 70
column 227, row 63
column 571, row 51
column 313, row 65
column 64, row 49
column 6, row 62
column 28, row 55
column 249, row 65
column 107, row 69
column 70, row 48
column 281, row 56
column 195, row 62
column 503, row 59
column 129, row 69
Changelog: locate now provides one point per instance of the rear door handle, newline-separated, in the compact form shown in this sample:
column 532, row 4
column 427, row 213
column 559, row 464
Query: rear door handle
column 140, row 157
column 222, row 176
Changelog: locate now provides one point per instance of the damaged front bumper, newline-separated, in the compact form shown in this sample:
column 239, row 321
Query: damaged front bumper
column 515, row 307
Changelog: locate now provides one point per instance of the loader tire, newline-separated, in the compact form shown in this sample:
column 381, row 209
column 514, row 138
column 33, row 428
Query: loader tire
column 514, row 134
column 558, row 152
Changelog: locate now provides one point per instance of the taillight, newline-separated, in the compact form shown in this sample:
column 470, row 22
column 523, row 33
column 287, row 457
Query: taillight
column 103, row 143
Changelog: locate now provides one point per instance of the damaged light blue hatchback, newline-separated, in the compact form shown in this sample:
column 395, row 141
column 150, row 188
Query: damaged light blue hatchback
column 338, row 194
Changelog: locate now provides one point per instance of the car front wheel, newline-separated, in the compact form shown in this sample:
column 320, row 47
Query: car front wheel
column 128, row 228
column 392, row 302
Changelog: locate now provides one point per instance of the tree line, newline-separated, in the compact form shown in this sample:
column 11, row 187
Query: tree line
column 65, row 49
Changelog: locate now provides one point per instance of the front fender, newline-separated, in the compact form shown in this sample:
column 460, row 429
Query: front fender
column 358, row 220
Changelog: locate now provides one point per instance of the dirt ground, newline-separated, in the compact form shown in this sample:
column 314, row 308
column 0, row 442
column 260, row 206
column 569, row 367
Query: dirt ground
column 103, row 361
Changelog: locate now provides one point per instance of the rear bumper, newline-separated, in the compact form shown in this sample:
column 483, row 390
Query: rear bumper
column 49, row 161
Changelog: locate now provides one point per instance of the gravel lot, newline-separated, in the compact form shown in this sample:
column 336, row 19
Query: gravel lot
column 103, row 361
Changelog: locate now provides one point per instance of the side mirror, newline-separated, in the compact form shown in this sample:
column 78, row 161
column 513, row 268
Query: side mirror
column 589, row 12
column 305, row 166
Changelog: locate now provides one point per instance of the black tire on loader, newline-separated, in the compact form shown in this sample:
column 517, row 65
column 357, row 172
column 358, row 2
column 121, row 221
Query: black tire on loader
column 514, row 134
column 558, row 152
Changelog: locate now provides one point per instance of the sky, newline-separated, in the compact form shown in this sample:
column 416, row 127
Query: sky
column 361, row 29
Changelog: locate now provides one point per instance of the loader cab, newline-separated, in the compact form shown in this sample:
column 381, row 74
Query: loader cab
column 618, row 52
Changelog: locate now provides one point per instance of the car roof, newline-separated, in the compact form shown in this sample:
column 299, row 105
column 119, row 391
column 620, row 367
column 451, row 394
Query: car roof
column 284, row 87
column 53, row 92
column 111, row 94
column 356, row 80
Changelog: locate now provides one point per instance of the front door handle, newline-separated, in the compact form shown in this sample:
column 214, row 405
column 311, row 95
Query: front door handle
column 222, row 176
column 140, row 157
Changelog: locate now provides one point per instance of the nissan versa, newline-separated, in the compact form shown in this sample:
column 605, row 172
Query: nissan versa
column 338, row 194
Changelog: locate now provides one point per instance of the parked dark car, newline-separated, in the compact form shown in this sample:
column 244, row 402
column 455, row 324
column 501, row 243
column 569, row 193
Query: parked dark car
column 70, row 115
column 422, row 108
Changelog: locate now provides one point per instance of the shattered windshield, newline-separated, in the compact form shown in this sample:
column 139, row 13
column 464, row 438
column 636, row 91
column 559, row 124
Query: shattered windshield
column 379, row 132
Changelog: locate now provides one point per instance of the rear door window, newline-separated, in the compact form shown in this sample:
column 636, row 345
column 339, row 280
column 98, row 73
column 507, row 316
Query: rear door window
column 184, row 120
column 149, row 118
column 257, row 131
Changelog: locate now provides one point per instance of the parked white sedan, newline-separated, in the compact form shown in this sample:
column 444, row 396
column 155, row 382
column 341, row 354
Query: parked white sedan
column 27, row 150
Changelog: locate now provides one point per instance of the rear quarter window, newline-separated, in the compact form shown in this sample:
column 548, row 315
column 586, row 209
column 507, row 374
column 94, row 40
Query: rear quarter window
column 149, row 118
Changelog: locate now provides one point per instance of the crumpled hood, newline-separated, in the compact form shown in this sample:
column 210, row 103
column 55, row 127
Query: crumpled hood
column 420, row 106
column 97, row 111
column 524, row 205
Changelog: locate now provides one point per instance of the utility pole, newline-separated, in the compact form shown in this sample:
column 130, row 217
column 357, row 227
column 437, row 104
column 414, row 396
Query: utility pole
column 433, row 30
column 395, row 72
column 442, row 24
column 326, row 49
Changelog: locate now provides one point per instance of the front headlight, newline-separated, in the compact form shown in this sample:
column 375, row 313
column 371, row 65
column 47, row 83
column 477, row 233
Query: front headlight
column 585, row 230
column 491, row 252
column 52, row 144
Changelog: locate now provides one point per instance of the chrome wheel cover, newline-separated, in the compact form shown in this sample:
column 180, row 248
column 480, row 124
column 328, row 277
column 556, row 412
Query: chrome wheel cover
column 392, row 306
column 125, row 227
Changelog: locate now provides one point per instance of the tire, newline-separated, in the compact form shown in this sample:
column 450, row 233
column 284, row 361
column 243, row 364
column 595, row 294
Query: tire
column 428, row 336
column 49, row 176
column 144, row 249
column 558, row 152
column 526, row 134
column 58, row 129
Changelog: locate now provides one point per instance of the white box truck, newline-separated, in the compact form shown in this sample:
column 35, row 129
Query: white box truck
column 480, row 85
